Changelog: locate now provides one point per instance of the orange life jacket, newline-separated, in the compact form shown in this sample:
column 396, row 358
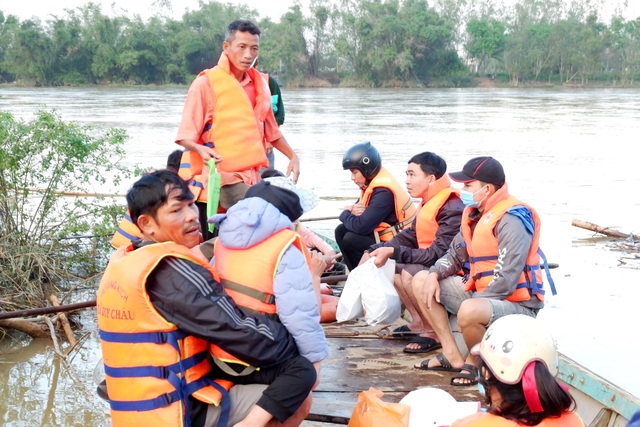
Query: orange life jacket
column 195, row 181
column 151, row 367
column 482, row 247
column 247, row 276
column 126, row 233
column 485, row 419
column 426, row 223
column 404, row 208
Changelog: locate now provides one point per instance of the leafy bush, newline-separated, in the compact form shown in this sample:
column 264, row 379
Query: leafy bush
column 47, row 167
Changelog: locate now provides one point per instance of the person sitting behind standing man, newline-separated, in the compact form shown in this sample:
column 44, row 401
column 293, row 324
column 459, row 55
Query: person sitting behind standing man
column 383, row 209
column 264, row 265
column 228, row 117
column 159, row 307
column 518, row 366
column 311, row 239
column 499, row 238
column 418, row 247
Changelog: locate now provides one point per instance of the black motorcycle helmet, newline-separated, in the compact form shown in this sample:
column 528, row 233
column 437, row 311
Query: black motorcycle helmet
column 363, row 157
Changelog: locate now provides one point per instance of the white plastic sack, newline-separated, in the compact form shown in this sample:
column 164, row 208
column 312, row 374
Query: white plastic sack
column 350, row 303
column 380, row 300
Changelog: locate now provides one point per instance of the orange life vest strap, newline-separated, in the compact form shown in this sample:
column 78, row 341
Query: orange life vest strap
column 398, row 227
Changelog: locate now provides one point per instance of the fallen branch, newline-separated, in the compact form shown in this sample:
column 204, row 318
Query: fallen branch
column 92, row 303
column 598, row 229
column 30, row 328
column 65, row 322
column 46, row 310
column 54, row 338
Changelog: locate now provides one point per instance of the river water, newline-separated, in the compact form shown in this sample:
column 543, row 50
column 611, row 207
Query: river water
column 569, row 153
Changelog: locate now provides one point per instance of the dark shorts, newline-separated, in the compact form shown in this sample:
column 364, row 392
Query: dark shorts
column 412, row 269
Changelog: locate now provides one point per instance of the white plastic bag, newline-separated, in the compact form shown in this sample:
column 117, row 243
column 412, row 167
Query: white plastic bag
column 380, row 300
column 350, row 304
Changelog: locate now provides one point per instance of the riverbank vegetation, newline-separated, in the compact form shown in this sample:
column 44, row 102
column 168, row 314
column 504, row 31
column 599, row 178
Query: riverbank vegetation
column 362, row 43
column 51, row 240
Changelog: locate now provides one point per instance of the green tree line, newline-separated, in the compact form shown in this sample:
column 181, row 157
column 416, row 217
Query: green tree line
column 368, row 43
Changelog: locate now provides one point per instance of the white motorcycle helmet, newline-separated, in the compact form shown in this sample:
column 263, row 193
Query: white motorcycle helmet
column 511, row 343
column 433, row 407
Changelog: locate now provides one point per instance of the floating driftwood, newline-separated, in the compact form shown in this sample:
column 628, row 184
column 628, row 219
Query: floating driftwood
column 599, row 229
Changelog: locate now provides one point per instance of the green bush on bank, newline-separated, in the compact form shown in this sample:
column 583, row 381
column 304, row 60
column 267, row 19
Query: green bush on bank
column 43, row 228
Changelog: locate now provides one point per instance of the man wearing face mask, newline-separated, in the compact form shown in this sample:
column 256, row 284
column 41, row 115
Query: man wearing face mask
column 499, row 239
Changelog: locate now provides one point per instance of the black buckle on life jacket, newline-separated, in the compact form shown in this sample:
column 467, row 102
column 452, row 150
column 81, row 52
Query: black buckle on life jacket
column 167, row 399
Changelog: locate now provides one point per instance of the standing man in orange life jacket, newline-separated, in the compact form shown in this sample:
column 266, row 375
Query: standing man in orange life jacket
column 228, row 117
column 499, row 238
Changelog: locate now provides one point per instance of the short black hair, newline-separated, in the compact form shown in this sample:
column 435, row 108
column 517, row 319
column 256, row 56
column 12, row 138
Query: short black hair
column 243, row 26
column 173, row 160
column 150, row 192
column 270, row 173
column 430, row 163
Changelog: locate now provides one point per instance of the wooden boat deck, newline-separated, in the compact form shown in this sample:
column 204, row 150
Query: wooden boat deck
column 358, row 359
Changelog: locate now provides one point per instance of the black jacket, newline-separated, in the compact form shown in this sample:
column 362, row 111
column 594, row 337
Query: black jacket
column 405, row 244
column 185, row 294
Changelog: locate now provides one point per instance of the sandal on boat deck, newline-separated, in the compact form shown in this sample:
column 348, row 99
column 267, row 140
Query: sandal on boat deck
column 472, row 376
column 404, row 332
column 400, row 333
column 426, row 345
column 444, row 365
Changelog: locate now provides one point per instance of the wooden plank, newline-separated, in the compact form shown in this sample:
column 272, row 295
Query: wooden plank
column 359, row 360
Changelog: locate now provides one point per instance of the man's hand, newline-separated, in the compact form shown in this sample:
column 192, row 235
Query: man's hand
column 431, row 290
column 357, row 209
column 283, row 146
column 365, row 257
column 381, row 256
column 202, row 150
column 318, row 265
column 294, row 167
column 208, row 153
column 330, row 260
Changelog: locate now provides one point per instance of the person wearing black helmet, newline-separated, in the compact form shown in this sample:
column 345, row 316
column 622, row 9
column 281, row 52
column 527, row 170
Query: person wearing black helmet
column 382, row 210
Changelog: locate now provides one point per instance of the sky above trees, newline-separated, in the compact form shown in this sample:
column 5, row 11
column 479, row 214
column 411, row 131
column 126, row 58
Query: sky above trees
column 273, row 9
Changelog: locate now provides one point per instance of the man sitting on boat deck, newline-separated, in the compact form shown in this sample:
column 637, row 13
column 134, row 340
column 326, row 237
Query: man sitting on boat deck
column 228, row 118
column 499, row 238
column 418, row 247
column 159, row 307
column 265, row 267
column 383, row 209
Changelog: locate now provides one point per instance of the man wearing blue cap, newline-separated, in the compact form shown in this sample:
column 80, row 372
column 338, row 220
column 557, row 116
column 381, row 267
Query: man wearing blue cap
column 499, row 239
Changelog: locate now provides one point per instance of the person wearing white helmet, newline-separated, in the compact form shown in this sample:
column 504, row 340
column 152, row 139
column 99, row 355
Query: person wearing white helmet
column 519, row 363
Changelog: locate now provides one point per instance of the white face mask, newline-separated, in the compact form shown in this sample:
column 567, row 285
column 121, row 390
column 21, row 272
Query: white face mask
column 467, row 198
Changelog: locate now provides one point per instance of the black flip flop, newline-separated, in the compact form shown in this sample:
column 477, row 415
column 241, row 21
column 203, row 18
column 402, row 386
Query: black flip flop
column 426, row 345
column 445, row 366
